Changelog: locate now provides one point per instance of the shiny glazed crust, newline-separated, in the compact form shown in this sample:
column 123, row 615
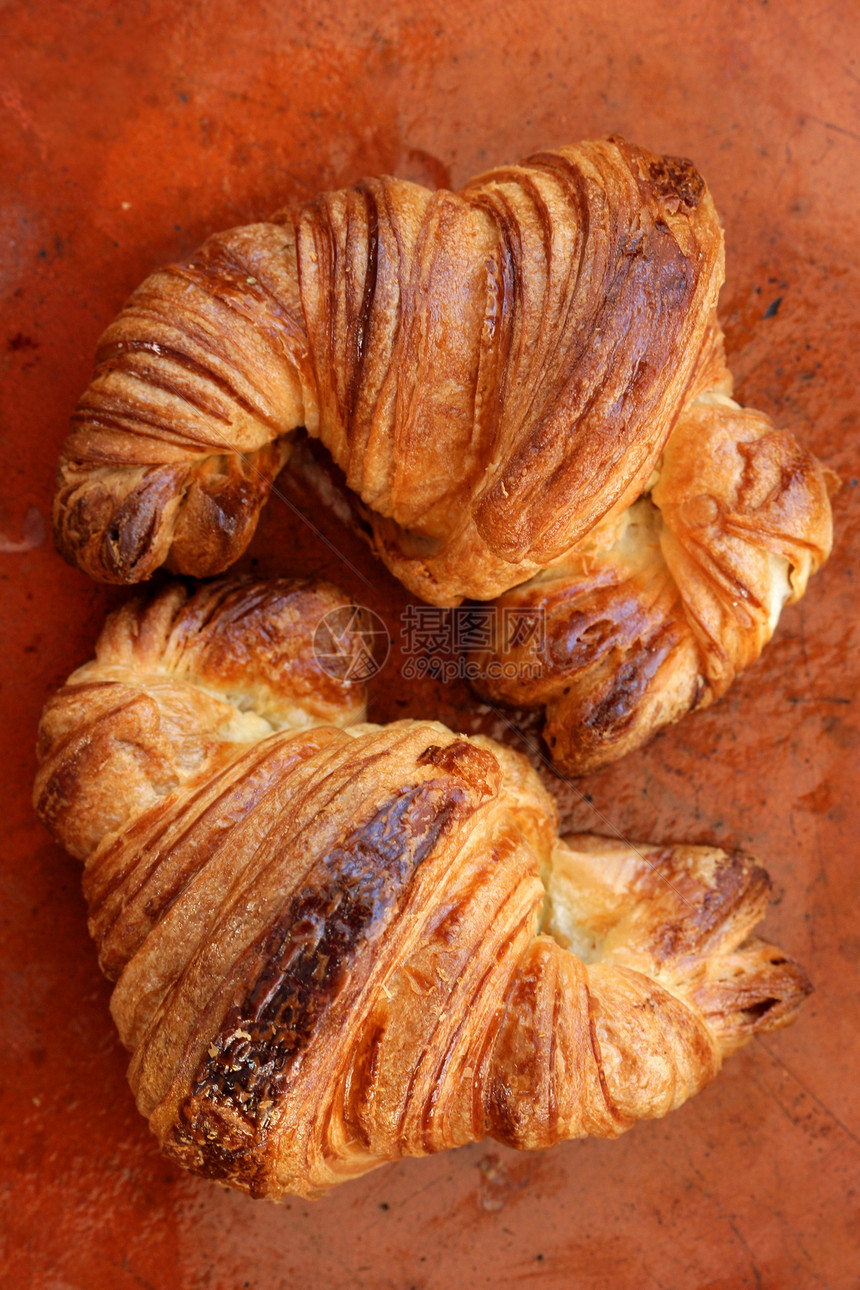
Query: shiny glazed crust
column 658, row 609
column 493, row 370
column 500, row 374
column 335, row 944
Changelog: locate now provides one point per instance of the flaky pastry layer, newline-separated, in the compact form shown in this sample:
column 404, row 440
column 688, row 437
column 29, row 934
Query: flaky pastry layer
column 336, row 944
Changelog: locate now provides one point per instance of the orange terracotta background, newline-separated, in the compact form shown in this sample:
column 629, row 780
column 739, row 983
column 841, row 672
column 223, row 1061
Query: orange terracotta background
column 128, row 132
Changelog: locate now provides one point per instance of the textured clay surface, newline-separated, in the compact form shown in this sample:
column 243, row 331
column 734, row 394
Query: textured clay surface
column 129, row 133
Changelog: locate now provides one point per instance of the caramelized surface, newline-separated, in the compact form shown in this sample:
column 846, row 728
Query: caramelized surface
column 336, row 945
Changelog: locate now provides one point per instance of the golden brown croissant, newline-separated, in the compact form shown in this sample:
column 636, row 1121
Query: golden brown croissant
column 497, row 372
column 656, row 611
column 336, row 944
column 493, row 370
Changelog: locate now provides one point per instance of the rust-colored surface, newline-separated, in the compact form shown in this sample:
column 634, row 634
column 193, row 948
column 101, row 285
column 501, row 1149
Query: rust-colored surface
column 131, row 131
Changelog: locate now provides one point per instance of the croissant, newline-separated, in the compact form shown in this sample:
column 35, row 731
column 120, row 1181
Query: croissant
column 500, row 374
column 336, row 944
column 655, row 613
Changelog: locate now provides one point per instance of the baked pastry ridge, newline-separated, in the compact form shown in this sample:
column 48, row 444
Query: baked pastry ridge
column 336, row 944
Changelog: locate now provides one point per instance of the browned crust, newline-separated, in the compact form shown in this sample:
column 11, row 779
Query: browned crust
column 186, row 421
column 244, row 642
column 337, row 947
column 492, row 369
column 294, row 973
column 496, row 372
column 659, row 609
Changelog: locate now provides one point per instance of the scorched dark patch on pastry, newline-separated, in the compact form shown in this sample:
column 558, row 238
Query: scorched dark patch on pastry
column 736, row 891
column 630, row 680
column 299, row 968
column 676, row 180
column 618, row 360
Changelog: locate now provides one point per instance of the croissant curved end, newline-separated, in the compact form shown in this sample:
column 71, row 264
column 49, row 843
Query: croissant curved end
column 667, row 600
column 335, row 944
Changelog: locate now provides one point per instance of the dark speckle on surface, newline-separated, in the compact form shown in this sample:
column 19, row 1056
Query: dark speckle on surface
column 19, row 341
